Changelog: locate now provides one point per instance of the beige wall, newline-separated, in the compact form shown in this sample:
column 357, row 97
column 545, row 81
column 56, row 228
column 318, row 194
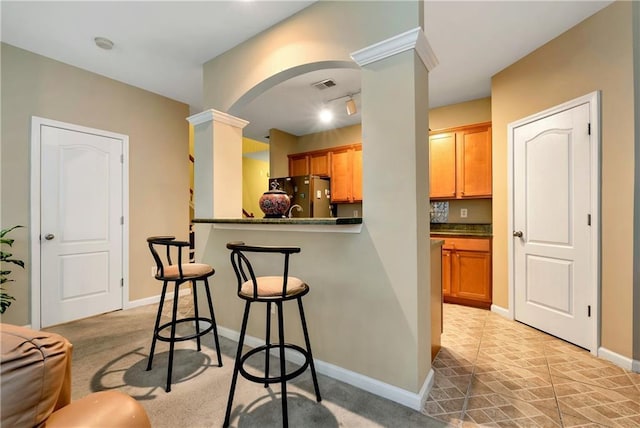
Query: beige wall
column 594, row 55
column 478, row 210
column 460, row 114
column 326, row 32
column 354, row 277
column 280, row 145
column 331, row 138
column 158, row 155
column 255, row 181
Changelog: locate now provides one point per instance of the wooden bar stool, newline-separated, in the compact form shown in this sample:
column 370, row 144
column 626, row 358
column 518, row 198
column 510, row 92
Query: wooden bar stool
column 179, row 273
column 269, row 289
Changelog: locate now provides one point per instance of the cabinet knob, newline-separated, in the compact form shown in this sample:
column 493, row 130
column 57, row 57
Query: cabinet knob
column 517, row 234
column 49, row 236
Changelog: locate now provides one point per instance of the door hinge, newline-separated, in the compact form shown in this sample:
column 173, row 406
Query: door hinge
column 589, row 311
column 121, row 282
column 122, row 220
column 588, row 219
column 121, row 158
column 589, row 129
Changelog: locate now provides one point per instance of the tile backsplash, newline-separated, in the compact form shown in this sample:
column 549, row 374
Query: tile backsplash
column 473, row 211
column 439, row 212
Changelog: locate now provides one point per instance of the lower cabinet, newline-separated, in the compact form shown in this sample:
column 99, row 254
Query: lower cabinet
column 466, row 271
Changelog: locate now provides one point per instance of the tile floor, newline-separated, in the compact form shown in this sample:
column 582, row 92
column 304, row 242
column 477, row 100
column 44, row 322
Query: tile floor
column 499, row 373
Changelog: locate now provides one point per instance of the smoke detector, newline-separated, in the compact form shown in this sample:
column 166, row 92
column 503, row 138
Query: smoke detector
column 103, row 43
column 324, row 84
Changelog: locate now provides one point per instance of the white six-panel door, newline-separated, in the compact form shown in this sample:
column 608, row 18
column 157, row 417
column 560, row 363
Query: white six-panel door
column 81, row 230
column 552, row 238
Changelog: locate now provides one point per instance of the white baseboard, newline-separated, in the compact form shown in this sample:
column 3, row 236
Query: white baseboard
column 619, row 360
column 154, row 299
column 501, row 311
column 374, row 386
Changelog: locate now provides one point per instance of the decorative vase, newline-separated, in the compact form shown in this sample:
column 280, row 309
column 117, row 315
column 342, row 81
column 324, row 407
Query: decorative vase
column 274, row 203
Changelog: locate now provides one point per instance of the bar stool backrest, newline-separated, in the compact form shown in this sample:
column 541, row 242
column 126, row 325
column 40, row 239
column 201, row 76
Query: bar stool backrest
column 171, row 248
column 244, row 270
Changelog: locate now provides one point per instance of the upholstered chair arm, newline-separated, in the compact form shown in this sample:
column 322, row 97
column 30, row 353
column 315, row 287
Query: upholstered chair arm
column 101, row 409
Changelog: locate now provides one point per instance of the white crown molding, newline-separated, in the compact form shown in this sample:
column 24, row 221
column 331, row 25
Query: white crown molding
column 412, row 39
column 212, row 115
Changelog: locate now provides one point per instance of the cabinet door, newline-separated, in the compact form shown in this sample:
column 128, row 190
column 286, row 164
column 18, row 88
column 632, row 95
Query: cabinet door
column 357, row 175
column 474, row 163
column 298, row 165
column 472, row 275
column 341, row 176
column 319, row 164
column 446, row 273
column 442, row 165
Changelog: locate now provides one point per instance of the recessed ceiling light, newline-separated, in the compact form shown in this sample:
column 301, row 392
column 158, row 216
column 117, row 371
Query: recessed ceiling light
column 103, row 43
column 326, row 115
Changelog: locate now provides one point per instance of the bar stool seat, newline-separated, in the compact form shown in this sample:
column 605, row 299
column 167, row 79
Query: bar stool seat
column 271, row 286
column 276, row 290
column 180, row 273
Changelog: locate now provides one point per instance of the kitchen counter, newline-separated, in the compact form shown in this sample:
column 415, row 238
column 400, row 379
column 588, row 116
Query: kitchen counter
column 294, row 220
column 316, row 224
column 461, row 229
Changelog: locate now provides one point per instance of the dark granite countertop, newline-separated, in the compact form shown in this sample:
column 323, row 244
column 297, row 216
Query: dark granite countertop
column 461, row 229
column 312, row 221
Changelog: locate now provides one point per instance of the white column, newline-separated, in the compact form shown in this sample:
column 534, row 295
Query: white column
column 218, row 164
column 396, row 175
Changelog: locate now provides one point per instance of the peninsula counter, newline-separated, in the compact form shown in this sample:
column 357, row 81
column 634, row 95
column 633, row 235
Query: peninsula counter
column 330, row 224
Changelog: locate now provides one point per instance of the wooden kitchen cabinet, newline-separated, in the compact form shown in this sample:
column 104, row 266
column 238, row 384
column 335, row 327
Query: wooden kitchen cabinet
column 298, row 165
column 442, row 165
column 446, row 272
column 319, row 164
column 342, row 164
column 310, row 163
column 474, row 162
column 357, row 174
column 460, row 162
column 346, row 174
column 466, row 271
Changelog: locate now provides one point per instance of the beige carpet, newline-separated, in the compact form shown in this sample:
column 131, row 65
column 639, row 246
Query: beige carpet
column 110, row 352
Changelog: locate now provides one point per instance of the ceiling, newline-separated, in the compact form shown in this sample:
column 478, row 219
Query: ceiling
column 160, row 46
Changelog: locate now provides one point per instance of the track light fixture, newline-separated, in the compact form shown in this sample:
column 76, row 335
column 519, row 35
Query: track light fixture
column 351, row 106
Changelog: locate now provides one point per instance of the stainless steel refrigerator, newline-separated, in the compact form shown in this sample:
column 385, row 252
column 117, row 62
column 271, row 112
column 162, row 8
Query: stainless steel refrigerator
column 311, row 194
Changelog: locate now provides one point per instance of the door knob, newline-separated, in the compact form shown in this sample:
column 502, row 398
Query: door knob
column 517, row 234
column 49, row 236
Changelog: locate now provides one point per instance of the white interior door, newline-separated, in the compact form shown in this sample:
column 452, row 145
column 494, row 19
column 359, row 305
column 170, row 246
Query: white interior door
column 553, row 268
column 81, row 241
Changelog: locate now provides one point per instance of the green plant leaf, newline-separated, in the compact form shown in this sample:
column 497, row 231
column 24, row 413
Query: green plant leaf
column 5, row 301
column 5, row 257
column 7, row 230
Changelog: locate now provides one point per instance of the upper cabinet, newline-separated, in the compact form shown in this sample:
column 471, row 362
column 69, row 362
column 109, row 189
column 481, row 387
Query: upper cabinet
column 342, row 164
column 319, row 164
column 298, row 165
column 442, row 165
column 311, row 163
column 460, row 162
column 346, row 174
